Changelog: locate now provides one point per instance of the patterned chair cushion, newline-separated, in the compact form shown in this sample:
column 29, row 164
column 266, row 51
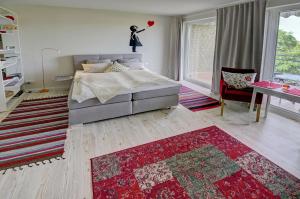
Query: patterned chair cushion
column 239, row 80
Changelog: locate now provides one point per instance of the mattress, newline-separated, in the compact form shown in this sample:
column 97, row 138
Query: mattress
column 144, row 93
column 97, row 113
column 152, row 92
column 106, row 86
column 155, row 103
column 95, row 102
column 141, row 93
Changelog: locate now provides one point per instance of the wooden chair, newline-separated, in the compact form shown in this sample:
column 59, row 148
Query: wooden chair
column 241, row 95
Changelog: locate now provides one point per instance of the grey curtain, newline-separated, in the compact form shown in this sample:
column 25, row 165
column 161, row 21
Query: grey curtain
column 239, row 38
column 175, row 47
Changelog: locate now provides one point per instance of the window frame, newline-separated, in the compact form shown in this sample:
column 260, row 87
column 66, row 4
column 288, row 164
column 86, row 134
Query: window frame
column 270, row 49
column 271, row 37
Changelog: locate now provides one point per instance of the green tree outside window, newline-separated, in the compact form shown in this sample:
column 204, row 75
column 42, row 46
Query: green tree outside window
column 288, row 53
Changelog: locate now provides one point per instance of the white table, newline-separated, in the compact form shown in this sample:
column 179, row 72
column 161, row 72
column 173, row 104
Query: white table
column 278, row 92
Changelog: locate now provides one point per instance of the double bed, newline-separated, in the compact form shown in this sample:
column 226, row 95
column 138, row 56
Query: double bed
column 153, row 94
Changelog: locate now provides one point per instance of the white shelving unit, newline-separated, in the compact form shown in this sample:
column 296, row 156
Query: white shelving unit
column 11, row 63
column 4, row 51
column 4, row 20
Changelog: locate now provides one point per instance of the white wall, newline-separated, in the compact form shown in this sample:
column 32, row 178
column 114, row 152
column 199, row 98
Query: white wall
column 84, row 31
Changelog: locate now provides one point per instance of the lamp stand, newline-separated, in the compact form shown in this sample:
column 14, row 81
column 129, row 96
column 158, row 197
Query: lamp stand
column 44, row 89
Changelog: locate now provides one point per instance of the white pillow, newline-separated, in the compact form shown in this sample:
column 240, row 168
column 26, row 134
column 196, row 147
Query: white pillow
column 135, row 65
column 116, row 67
column 95, row 68
column 239, row 80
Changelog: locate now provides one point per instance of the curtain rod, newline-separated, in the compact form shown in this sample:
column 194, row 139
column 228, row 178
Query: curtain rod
column 218, row 7
column 235, row 3
column 195, row 14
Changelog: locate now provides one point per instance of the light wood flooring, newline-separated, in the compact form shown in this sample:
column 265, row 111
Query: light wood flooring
column 277, row 138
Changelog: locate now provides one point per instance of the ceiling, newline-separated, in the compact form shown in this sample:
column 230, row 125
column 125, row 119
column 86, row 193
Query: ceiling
column 160, row 7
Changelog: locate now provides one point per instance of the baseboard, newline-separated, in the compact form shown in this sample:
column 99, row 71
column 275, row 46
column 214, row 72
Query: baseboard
column 36, row 90
column 285, row 113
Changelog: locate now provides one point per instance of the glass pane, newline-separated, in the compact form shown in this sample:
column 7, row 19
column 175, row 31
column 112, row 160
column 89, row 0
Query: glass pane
column 201, row 52
column 287, row 65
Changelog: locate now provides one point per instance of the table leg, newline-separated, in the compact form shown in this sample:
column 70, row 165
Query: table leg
column 252, row 105
column 253, row 100
column 267, row 106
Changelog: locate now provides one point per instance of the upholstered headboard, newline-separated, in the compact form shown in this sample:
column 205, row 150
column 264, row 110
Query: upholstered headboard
column 80, row 59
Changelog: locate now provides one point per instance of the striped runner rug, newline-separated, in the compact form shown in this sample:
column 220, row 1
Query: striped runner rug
column 35, row 131
column 196, row 101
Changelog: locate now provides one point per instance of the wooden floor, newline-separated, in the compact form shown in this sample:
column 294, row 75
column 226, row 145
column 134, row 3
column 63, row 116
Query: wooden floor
column 277, row 138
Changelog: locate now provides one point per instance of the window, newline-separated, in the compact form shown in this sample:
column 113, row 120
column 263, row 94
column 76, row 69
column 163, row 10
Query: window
column 199, row 51
column 287, row 61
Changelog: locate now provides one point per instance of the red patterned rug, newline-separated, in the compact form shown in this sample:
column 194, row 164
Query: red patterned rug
column 206, row 163
column 35, row 131
column 196, row 101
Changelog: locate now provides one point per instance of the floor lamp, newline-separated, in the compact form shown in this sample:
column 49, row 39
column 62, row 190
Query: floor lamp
column 44, row 90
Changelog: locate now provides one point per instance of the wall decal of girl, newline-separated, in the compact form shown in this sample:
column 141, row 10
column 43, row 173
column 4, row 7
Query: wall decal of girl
column 134, row 38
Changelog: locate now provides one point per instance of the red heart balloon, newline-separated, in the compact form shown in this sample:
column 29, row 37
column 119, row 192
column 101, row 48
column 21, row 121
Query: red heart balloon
column 150, row 23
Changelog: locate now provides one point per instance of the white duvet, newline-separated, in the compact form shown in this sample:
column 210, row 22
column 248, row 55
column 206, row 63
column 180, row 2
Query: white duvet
column 105, row 86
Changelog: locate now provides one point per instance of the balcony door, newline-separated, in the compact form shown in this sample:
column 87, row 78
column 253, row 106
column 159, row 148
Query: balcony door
column 199, row 51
